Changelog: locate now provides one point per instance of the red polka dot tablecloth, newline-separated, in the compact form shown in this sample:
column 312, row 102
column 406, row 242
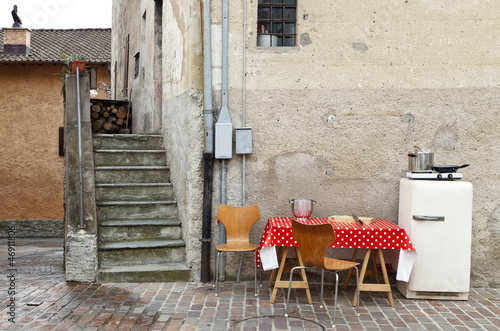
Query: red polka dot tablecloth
column 381, row 234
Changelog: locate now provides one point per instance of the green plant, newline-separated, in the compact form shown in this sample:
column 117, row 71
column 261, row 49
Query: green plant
column 74, row 57
column 67, row 59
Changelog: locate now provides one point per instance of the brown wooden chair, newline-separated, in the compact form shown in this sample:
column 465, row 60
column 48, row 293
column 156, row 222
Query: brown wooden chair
column 238, row 221
column 313, row 241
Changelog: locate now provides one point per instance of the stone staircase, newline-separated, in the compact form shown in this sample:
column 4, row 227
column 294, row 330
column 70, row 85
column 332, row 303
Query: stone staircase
column 139, row 235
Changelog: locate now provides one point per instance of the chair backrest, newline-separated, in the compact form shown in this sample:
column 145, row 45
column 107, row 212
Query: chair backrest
column 238, row 221
column 313, row 240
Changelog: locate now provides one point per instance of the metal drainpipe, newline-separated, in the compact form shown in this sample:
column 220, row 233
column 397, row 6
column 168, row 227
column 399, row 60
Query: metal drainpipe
column 208, row 155
column 223, row 117
column 243, row 121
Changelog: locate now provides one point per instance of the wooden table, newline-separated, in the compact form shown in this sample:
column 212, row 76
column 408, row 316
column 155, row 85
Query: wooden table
column 374, row 237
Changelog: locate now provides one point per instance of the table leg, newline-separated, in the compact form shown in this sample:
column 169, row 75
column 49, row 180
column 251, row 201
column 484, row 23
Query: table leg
column 362, row 275
column 386, row 278
column 386, row 287
column 280, row 272
column 374, row 266
column 284, row 283
column 273, row 273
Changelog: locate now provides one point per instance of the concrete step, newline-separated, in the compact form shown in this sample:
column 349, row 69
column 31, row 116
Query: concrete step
column 134, row 191
column 120, row 230
column 127, row 141
column 128, row 253
column 124, row 157
column 132, row 174
column 133, row 210
column 155, row 273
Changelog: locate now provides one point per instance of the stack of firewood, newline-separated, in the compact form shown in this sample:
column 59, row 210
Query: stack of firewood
column 109, row 117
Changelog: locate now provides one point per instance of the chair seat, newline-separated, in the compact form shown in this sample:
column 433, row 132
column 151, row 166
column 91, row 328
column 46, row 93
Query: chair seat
column 236, row 247
column 336, row 265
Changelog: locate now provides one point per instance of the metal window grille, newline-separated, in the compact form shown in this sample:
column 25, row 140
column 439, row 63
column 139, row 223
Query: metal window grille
column 276, row 23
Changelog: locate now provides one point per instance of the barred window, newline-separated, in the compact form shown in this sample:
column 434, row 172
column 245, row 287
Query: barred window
column 276, row 22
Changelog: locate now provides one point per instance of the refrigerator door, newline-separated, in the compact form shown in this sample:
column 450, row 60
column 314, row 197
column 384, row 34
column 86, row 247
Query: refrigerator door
column 437, row 216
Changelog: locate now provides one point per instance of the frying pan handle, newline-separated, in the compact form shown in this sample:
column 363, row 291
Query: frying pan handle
column 463, row 166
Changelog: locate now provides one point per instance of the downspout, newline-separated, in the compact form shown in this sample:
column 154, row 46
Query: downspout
column 224, row 118
column 243, row 160
column 208, row 154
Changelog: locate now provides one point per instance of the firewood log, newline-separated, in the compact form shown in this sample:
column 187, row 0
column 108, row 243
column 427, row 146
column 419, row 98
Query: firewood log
column 121, row 113
column 107, row 126
column 98, row 123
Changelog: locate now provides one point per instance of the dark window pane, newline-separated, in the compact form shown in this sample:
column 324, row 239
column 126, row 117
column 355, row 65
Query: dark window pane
column 277, row 27
column 277, row 13
column 289, row 41
column 290, row 27
column 288, row 1
column 289, row 13
column 264, row 13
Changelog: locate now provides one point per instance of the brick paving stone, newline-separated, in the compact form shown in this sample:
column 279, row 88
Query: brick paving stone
column 193, row 306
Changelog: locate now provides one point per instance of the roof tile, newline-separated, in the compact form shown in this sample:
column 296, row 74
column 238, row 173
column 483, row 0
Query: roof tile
column 48, row 45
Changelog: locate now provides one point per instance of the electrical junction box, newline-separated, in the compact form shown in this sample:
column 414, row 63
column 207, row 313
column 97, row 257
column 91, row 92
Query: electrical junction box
column 223, row 140
column 243, row 140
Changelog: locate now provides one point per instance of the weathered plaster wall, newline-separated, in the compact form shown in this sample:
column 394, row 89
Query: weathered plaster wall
column 182, row 119
column 181, row 86
column 137, row 20
column 334, row 117
column 31, row 170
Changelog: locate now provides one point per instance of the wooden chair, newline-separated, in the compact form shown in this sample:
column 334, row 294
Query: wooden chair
column 238, row 221
column 313, row 241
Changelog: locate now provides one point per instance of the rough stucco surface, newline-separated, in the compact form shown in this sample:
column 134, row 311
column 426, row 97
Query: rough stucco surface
column 183, row 125
column 31, row 170
column 334, row 117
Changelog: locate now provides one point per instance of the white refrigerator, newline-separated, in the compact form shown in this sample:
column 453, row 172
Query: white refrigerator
column 437, row 216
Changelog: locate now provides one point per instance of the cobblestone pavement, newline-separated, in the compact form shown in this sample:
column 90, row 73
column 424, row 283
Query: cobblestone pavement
column 44, row 301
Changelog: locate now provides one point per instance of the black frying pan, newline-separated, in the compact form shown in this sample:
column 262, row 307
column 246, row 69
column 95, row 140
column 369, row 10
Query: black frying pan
column 448, row 168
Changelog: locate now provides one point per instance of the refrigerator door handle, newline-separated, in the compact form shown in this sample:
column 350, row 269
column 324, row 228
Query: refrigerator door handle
column 428, row 218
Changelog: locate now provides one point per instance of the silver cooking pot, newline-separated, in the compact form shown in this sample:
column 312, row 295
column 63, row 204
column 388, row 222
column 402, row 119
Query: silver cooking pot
column 302, row 208
column 420, row 161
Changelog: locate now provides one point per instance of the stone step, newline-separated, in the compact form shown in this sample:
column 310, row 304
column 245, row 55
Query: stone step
column 123, row 157
column 120, row 230
column 128, row 253
column 141, row 222
column 155, row 273
column 132, row 174
column 130, row 210
column 127, row 141
column 134, row 191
